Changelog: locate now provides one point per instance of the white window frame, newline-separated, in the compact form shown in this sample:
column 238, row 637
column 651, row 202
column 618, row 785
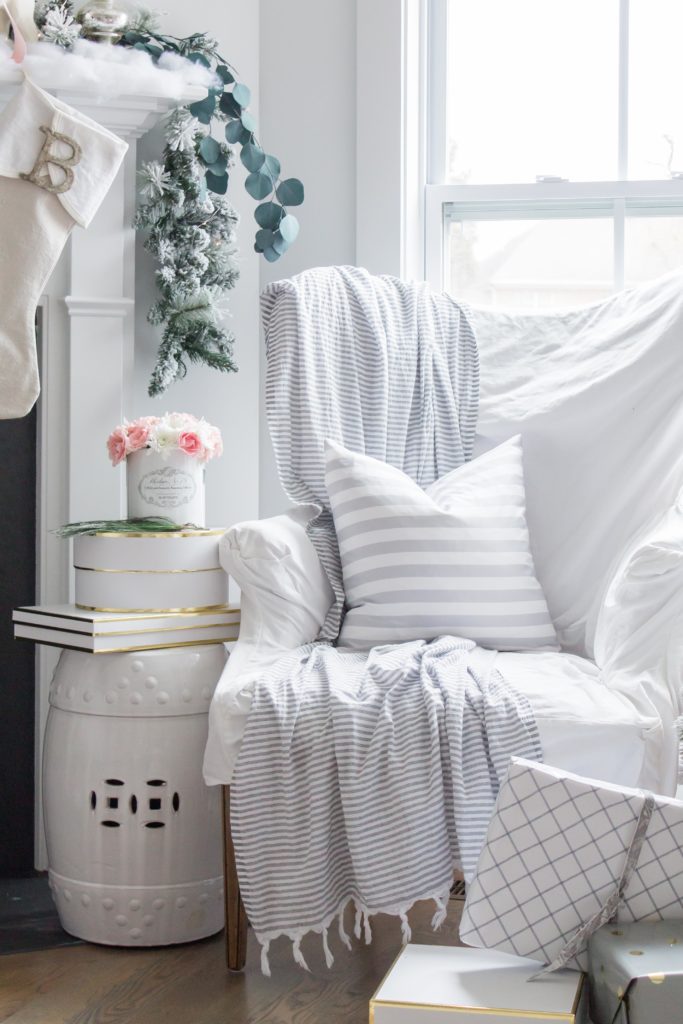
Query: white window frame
column 445, row 201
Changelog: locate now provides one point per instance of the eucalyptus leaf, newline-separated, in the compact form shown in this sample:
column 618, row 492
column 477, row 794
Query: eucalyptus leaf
column 204, row 109
column 242, row 94
column 154, row 51
column 230, row 106
column 233, row 131
column 217, row 183
column 198, row 58
column 225, row 74
column 273, row 165
column 257, row 248
column 290, row 192
column 220, row 165
column 264, row 238
column 252, row 157
column 268, row 215
column 258, row 185
column 289, row 228
column 271, row 254
column 248, row 121
column 209, row 150
column 279, row 243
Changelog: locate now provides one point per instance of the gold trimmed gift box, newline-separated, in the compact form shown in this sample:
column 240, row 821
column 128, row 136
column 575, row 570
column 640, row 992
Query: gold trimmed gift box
column 436, row 984
column 636, row 973
column 150, row 572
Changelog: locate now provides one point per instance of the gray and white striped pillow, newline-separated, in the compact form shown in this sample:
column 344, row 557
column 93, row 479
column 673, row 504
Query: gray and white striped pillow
column 452, row 560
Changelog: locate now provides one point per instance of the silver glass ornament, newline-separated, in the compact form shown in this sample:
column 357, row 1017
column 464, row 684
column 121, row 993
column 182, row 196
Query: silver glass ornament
column 101, row 21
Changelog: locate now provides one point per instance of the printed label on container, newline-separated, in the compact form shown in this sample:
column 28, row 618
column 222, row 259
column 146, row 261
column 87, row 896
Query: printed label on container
column 167, row 488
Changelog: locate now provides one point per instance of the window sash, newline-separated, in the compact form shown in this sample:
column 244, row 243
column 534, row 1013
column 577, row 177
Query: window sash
column 614, row 199
column 437, row 64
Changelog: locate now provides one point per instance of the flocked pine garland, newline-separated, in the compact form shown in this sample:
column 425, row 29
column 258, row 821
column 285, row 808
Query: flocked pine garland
column 191, row 225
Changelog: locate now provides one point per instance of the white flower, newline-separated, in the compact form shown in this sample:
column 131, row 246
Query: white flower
column 180, row 130
column 164, row 439
column 155, row 179
column 60, row 28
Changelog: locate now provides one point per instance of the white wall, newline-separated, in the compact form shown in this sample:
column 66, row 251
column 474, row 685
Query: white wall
column 299, row 58
column 231, row 401
column 308, row 119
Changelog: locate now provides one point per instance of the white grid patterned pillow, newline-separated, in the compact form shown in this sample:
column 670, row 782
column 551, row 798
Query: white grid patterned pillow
column 452, row 560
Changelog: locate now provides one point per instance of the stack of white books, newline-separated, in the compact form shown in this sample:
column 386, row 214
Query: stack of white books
column 64, row 625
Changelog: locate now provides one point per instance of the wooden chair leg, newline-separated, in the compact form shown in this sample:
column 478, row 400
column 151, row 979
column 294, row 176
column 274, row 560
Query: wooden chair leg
column 235, row 915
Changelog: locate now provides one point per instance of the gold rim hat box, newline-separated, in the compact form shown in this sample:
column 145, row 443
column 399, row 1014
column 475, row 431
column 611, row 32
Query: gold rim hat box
column 150, row 572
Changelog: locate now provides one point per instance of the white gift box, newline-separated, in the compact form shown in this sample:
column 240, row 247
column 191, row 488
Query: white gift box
column 555, row 852
column 437, row 984
column 149, row 572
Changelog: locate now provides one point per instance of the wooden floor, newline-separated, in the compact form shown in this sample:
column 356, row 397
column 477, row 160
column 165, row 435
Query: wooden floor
column 190, row 985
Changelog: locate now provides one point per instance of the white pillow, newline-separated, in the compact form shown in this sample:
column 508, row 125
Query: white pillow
column 454, row 559
column 285, row 594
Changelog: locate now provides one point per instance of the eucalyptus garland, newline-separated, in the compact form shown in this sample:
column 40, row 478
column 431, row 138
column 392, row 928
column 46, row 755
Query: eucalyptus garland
column 191, row 227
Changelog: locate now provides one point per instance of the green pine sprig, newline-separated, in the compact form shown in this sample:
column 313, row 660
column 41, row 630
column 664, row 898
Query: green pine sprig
column 144, row 524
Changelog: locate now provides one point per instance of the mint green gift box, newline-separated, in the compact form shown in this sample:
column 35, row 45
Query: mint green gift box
column 636, row 973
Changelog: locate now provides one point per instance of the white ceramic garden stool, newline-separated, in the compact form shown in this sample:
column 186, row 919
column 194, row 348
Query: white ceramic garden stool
column 133, row 833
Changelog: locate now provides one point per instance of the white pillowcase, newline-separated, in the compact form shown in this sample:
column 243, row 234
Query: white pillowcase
column 452, row 560
column 285, row 593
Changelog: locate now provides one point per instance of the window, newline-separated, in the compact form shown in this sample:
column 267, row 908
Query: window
column 555, row 148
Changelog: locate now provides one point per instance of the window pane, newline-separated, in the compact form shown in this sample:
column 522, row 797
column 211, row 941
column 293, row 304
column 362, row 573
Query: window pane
column 530, row 264
column 655, row 88
column 532, row 89
column 652, row 246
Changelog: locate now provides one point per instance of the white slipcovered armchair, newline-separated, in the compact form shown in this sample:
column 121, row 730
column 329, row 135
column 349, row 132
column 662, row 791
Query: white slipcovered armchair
column 597, row 395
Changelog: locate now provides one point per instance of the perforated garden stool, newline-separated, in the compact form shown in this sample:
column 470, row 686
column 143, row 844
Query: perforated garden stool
column 133, row 834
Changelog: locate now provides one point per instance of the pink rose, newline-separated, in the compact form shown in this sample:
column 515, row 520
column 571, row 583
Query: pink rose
column 190, row 443
column 117, row 445
column 138, row 435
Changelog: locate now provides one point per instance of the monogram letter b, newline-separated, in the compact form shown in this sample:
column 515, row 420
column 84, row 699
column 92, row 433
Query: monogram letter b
column 40, row 176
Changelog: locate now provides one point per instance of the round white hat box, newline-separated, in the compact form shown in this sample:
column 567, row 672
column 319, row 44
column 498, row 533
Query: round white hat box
column 153, row 572
column 134, row 835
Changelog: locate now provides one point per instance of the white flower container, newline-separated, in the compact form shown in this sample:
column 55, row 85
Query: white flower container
column 170, row 485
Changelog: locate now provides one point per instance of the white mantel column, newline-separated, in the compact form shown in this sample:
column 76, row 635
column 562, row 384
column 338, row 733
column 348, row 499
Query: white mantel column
column 100, row 306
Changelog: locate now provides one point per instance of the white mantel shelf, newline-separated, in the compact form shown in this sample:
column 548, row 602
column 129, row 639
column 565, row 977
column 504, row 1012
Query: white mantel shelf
column 128, row 114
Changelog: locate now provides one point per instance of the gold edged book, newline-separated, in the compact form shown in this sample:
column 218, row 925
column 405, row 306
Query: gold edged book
column 105, row 633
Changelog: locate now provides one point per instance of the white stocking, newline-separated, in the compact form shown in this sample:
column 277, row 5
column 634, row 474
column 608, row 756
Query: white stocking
column 56, row 166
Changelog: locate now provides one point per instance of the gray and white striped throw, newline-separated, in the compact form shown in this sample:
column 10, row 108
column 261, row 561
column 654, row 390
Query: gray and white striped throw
column 379, row 365
column 453, row 559
column 365, row 779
